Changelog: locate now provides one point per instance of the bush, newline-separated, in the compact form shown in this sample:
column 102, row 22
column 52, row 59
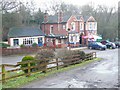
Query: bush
column 22, row 45
column 66, row 54
column 82, row 55
column 4, row 45
column 42, row 55
column 27, row 58
column 34, row 45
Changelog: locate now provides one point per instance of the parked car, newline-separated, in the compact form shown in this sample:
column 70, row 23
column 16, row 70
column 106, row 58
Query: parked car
column 117, row 44
column 108, row 44
column 104, row 42
column 111, row 45
column 96, row 45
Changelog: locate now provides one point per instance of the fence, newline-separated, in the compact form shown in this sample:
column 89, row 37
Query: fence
column 26, row 50
column 42, row 67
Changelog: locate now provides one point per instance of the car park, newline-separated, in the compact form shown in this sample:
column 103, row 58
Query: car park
column 96, row 45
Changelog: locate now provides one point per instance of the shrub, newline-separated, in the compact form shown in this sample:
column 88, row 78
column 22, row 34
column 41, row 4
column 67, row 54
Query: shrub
column 82, row 54
column 42, row 55
column 27, row 58
column 22, row 45
column 66, row 54
column 4, row 45
column 34, row 45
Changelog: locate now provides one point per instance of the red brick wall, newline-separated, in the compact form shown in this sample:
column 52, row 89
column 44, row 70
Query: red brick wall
column 72, row 19
column 55, row 29
column 61, row 30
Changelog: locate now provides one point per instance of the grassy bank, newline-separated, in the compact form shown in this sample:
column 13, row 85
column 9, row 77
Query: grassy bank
column 17, row 82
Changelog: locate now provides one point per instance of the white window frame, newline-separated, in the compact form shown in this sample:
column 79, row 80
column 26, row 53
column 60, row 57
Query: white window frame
column 94, row 25
column 73, row 26
column 28, row 41
column 51, row 31
column 64, row 26
column 90, row 26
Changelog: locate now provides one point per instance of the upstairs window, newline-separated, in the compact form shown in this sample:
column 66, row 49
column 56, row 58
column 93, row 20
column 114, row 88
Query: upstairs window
column 51, row 29
column 73, row 26
column 94, row 25
column 90, row 26
column 64, row 27
column 81, row 26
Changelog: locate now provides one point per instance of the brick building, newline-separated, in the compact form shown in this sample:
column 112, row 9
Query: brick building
column 62, row 30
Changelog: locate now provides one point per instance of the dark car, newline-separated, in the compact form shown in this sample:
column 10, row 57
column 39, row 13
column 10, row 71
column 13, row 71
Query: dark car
column 96, row 45
column 104, row 42
column 111, row 45
column 117, row 44
column 108, row 44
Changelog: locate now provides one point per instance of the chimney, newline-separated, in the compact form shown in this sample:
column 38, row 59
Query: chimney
column 45, row 17
column 60, row 16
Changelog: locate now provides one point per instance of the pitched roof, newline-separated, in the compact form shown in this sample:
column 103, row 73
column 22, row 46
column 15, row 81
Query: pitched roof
column 78, row 17
column 25, row 31
column 87, row 17
column 54, row 19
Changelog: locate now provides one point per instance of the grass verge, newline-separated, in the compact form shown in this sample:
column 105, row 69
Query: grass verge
column 17, row 82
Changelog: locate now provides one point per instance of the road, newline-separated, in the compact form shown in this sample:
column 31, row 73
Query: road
column 100, row 74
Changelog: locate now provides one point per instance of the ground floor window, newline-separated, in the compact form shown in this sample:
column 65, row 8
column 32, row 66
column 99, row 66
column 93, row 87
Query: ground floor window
column 28, row 41
column 16, row 42
column 59, row 40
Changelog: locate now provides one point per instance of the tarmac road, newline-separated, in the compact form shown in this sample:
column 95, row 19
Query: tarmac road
column 99, row 74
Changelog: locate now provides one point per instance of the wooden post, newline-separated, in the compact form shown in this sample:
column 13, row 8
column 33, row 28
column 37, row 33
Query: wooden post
column 29, row 69
column 3, row 73
column 92, row 55
column 57, row 63
column 95, row 54
column 45, row 66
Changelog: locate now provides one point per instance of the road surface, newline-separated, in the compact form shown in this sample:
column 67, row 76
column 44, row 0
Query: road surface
column 100, row 74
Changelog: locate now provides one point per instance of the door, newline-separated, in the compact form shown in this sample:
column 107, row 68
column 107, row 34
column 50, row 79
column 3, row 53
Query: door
column 54, row 43
column 40, row 42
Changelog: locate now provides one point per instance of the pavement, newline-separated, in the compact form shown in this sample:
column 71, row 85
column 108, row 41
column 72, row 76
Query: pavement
column 99, row 74
column 78, row 48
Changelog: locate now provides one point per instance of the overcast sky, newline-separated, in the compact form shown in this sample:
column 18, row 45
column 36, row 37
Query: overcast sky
column 109, row 3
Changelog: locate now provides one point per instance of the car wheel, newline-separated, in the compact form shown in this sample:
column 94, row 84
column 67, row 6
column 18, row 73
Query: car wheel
column 90, row 47
column 100, row 48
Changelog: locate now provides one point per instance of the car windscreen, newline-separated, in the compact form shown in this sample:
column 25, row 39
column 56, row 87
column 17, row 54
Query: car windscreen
column 99, row 44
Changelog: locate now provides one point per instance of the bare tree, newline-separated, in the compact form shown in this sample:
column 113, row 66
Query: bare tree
column 10, row 5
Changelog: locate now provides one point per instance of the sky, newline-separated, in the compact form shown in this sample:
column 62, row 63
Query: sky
column 43, row 3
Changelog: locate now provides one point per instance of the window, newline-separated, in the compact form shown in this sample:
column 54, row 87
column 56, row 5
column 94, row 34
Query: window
column 81, row 26
column 15, row 42
column 71, row 39
column 73, row 25
column 51, row 29
column 94, row 25
column 90, row 26
column 59, row 40
column 76, row 38
column 28, row 41
column 64, row 27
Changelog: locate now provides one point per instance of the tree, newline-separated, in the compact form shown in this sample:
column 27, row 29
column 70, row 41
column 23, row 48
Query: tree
column 9, row 5
column 39, row 16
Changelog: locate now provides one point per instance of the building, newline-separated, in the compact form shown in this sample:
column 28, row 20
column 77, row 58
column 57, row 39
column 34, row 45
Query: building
column 25, row 36
column 73, row 30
